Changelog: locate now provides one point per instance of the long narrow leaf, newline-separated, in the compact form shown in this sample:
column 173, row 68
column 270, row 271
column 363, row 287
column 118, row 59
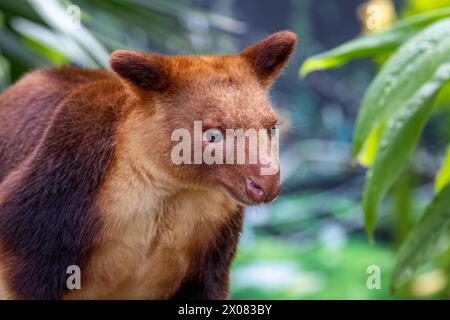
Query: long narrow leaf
column 56, row 16
column 13, row 47
column 443, row 176
column 405, row 72
column 53, row 40
column 4, row 72
column 373, row 44
column 398, row 141
column 428, row 239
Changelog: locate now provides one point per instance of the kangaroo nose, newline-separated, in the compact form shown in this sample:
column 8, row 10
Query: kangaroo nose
column 263, row 188
column 254, row 191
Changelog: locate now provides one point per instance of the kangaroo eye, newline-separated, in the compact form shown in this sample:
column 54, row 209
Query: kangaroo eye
column 213, row 135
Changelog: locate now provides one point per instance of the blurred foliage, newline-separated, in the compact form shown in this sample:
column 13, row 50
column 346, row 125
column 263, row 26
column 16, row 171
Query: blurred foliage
column 327, row 270
column 414, row 7
column 393, row 113
column 37, row 33
column 428, row 240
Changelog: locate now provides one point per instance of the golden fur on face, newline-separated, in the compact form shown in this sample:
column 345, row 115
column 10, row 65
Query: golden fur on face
column 227, row 92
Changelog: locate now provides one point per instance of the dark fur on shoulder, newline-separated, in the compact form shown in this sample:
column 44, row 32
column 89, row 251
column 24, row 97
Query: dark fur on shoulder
column 47, row 219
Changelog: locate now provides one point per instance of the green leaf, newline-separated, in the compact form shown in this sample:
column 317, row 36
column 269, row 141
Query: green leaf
column 443, row 176
column 373, row 44
column 443, row 99
column 369, row 151
column 428, row 239
column 12, row 47
column 412, row 65
column 363, row 46
column 53, row 42
column 56, row 16
column 4, row 72
column 398, row 141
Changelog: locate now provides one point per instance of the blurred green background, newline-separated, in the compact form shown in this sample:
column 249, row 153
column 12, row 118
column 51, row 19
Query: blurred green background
column 311, row 242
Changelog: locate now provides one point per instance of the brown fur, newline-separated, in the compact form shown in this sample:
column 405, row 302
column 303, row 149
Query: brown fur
column 86, row 176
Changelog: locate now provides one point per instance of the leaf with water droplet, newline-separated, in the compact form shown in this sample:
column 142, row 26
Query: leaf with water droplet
column 375, row 44
column 398, row 141
column 412, row 65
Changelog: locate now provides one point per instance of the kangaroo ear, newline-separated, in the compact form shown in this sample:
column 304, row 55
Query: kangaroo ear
column 145, row 71
column 269, row 56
